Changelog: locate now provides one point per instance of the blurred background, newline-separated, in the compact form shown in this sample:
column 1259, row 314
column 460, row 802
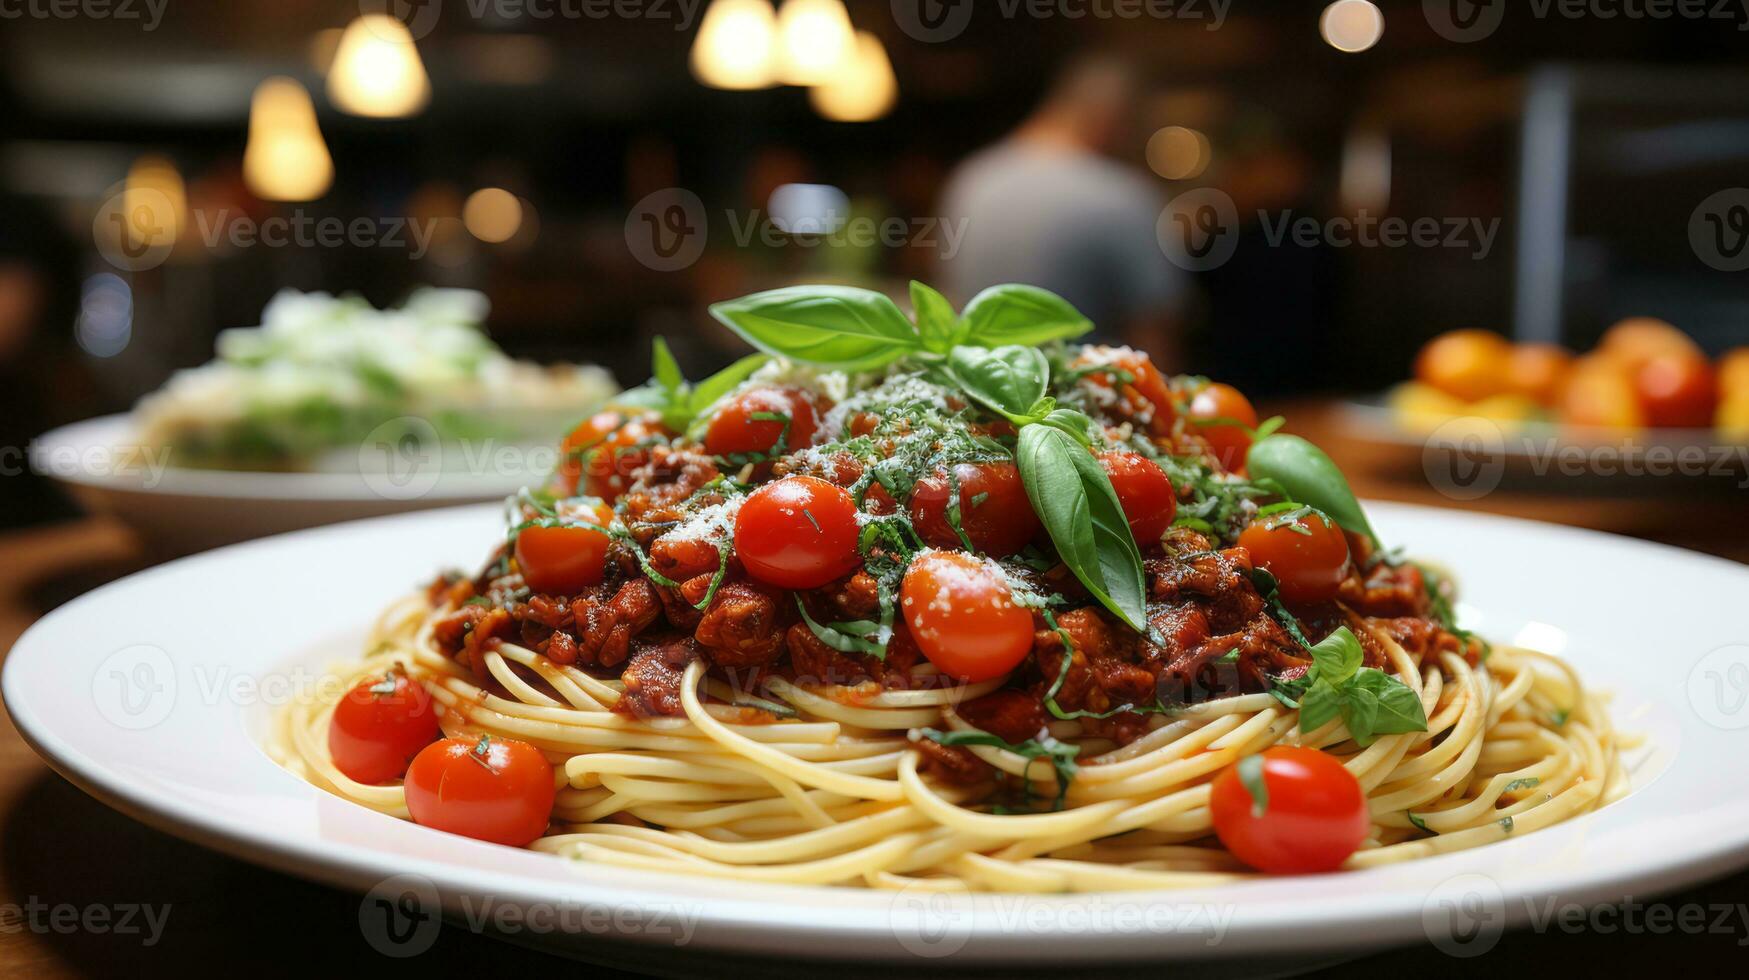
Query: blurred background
column 1290, row 197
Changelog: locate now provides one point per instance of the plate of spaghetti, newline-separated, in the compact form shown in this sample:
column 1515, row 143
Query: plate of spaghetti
column 905, row 619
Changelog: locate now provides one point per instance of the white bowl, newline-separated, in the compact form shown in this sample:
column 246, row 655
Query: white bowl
column 179, row 510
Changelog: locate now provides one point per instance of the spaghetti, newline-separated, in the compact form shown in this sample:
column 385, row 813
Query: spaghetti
column 710, row 704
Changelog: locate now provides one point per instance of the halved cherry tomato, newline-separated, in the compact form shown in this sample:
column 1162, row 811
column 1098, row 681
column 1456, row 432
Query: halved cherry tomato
column 752, row 423
column 1308, row 816
column 492, row 789
column 1229, row 443
column 1145, row 394
column 566, row 559
column 798, row 533
column 1305, row 551
column 994, row 510
column 1677, row 391
column 379, row 726
column 963, row 616
column 1145, row 493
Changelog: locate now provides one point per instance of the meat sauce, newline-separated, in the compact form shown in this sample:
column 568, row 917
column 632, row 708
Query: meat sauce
column 671, row 596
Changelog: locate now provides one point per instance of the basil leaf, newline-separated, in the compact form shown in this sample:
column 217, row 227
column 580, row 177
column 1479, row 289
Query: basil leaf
column 831, row 326
column 1015, row 314
column 650, row 396
column 1308, row 476
column 1360, row 712
column 706, row 392
column 1060, row 755
column 1074, row 499
column 1399, row 707
column 1011, row 380
column 840, row 640
column 1079, row 427
column 936, row 323
column 1250, row 771
column 1318, row 706
column 1336, row 657
column 667, row 370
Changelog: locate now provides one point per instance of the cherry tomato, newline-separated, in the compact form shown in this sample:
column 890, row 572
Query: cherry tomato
column 379, row 726
column 1314, row 817
column 963, row 617
column 608, row 462
column 751, row 423
column 1144, row 491
column 1677, row 391
column 573, row 447
column 798, row 533
column 565, row 560
column 1228, row 442
column 1466, row 364
column 994, row 510
column 1307, row 554
column 492, row 789
column 1145, row 394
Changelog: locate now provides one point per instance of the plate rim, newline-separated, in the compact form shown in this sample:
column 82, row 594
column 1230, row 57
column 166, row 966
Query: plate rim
column 740, row 925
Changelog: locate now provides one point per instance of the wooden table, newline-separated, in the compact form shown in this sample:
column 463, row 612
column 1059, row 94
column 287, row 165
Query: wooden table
column 61, row 849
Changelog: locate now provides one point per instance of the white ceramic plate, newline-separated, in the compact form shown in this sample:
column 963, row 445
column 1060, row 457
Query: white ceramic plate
column 180, row 510
column 152, row 693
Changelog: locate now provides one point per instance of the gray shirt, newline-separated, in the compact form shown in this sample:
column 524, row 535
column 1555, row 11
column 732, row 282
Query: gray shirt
column 1072, row 222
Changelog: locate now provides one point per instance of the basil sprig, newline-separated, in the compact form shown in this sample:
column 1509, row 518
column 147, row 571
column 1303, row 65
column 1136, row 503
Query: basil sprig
column 1069, row 490
column 1306, row 475
column 678, row 401
column 1370, row 702
column 852, row 329
column 1075, row 501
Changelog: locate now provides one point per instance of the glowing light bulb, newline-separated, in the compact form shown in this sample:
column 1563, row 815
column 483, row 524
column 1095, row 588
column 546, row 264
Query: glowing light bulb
column 155, row 203
column 377, row 71
column 735, row 47
column 1352, row 26
column 863, row 89
column 1178, row 153
column 285, row 158
column 814, row 40
column 492, row 214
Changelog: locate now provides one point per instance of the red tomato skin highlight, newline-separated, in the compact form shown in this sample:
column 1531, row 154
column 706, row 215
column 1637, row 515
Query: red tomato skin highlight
column 505, row 798
column 1317, row 814
column 564, row 560
column 797, row 533
column 963, row 616
column 1000, row 524
column 372, row 737
column 733, row 429
column 1144, row 491
column 1309, row 568
column 1229, row 443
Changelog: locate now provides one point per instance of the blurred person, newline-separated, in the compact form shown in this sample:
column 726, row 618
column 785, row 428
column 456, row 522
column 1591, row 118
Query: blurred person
column 1049, row 205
